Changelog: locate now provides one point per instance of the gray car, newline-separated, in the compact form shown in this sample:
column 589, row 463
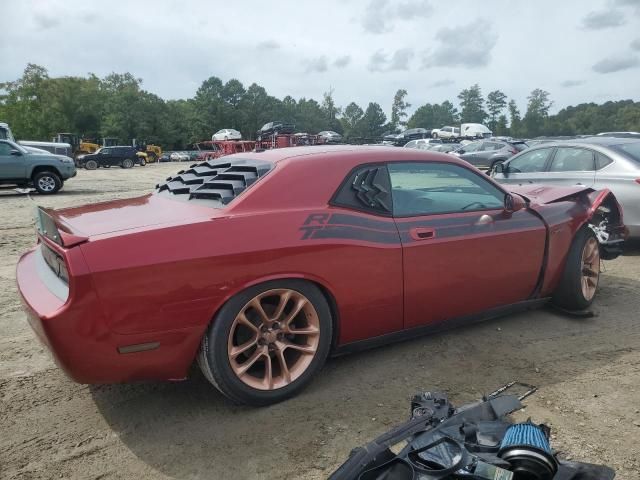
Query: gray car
column 488, row 153
column 597, row 162
column 46, row 172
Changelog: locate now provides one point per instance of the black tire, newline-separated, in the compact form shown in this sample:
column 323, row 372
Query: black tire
column 47, row 183
column 151, row 157
column 143, row 162
column 90, row 165
column 435, row 135
column 569, row 294
column 127, row 163
column 213, row 356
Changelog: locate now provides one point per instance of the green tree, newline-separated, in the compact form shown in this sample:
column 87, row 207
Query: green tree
column 434, row 116
column 472, row 105
column 371, row 125
column 537, row 112
column 515, row 122
column 399, row 110
column 496, row 103
column 352, row 115
column 331, row 112
column 501, row 127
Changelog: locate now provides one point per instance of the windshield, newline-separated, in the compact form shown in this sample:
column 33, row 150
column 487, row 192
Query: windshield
column 629, row 150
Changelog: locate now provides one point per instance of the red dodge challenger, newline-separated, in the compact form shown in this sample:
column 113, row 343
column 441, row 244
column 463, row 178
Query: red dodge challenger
column 259, row 265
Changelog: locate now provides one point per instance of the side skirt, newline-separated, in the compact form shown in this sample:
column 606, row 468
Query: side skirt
column 402, row 335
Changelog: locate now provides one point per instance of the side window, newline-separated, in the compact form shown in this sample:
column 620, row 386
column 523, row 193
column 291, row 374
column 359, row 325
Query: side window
column 434, row 188
column 411, row 144
column 106, row 151
column 366, row 188
column 602, row 161
column 488, row 146
column 568, row 159
column 5, row 149
column 472, row 147
column 532, row 161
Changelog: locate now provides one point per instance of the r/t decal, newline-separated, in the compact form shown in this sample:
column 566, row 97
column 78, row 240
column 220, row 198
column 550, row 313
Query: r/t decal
column 314, row 222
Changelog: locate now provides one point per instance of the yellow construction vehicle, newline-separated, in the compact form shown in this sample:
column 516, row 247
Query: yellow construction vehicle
column 79, row 146
column 154, row 152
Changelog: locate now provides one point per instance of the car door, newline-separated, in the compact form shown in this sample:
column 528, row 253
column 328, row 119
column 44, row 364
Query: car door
column 527, row 167
column 469, row 152
column 572, row 166
column 12, row 167
column 462, row 252
column 485, row 153
column 106, row 156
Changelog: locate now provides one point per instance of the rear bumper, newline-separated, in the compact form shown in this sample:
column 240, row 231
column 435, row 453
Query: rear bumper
column 81, row 342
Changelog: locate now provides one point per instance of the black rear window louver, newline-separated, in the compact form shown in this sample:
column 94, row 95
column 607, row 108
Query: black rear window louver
column 220, row 182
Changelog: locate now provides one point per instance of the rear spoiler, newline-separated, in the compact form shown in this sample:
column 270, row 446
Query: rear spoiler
column 47, row 227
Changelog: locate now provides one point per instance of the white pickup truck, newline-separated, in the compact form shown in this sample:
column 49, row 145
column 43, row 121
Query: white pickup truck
column 467, row 131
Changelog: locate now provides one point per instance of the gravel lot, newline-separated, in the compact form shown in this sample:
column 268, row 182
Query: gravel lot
column 588, row 371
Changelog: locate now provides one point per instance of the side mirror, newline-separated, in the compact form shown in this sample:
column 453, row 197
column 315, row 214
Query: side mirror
column 16, row 153
column 460, row 152
column 513, row 202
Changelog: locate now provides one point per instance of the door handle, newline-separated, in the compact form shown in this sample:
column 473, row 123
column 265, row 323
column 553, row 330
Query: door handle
column 422, row 233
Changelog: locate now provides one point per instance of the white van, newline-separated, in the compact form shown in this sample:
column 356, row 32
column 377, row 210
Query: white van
column 474, row 130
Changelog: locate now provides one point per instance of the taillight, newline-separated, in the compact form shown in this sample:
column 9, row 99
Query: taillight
column 637, row 180
column 514, row 150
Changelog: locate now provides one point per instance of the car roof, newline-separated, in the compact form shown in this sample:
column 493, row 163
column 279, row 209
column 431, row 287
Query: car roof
column 373, row 153
column 587, row 141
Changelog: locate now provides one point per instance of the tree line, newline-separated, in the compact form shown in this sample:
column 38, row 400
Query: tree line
column 38, row 106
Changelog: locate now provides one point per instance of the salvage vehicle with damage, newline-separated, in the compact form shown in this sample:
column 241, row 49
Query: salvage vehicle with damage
column 259, row 265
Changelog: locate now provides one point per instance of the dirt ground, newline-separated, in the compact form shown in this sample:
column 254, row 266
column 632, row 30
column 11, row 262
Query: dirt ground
column 588, row 371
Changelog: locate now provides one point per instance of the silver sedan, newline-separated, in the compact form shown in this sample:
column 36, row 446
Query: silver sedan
column 597, row 162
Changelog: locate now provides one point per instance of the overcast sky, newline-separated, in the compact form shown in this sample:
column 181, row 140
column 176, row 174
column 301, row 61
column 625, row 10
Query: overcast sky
column 579, row 51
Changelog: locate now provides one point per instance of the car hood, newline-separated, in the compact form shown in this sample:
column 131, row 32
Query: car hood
column 542, row 194
column 133, row 213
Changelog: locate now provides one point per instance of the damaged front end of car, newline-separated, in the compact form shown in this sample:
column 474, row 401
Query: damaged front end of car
column 599, row 209
column 474, row 441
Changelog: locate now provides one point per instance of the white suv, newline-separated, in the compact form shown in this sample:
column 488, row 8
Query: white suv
column 446, row 133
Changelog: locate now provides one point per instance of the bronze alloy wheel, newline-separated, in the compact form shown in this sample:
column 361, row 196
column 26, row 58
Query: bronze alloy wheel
column 273, row 339
column 590, row 268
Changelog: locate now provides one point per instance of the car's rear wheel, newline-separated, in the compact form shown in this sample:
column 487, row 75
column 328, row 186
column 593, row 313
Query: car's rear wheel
column 127, row 163
column 47, row 182
column 91, row 165
column 579, row 283
column 267, row 342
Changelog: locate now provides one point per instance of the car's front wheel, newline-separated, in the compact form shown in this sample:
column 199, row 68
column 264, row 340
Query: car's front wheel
column 91, row 165
column 47, row 182
column 579, row 283
column 266, row 343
